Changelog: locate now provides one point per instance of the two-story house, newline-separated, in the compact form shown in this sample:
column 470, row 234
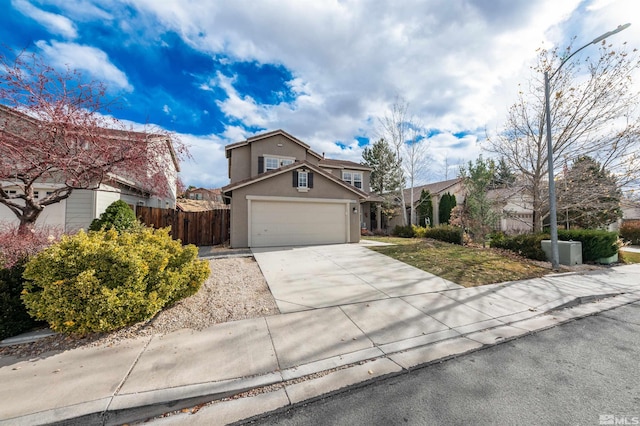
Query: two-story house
column 282, row 193
column 88, row 202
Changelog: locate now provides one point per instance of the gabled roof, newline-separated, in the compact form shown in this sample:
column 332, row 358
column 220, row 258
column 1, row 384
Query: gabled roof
column 290, row 167
column 261, row 136
column 187, row 205
column 342, row 164
column 433, row 188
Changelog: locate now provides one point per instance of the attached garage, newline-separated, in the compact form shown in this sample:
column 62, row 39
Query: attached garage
column 282, row 221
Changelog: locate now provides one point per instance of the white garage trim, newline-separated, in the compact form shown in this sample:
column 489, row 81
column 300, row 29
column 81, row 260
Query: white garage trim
column 287, row 200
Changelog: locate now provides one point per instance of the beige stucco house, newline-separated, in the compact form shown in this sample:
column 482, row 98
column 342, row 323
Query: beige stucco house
column 282, row 193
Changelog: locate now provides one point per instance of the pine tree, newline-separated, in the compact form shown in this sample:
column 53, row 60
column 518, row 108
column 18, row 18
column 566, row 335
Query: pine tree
column 425, row 209
column 482, row 216
column 447, row 203
column 588, row 195
column 385, row 176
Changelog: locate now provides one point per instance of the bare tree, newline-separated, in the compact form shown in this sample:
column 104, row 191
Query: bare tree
column 415, row 159
column 594, row 113
column 53, row 129
column 404, row 134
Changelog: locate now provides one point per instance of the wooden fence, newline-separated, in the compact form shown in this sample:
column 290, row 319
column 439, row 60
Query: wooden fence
column 208, row 228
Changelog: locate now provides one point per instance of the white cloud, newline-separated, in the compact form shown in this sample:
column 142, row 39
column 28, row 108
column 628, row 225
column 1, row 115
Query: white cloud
column 208, row 166
column 85, row 58
column 54, row 23
column 457, row 63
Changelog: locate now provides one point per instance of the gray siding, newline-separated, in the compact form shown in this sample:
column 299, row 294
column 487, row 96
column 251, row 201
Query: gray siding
column 80, row 210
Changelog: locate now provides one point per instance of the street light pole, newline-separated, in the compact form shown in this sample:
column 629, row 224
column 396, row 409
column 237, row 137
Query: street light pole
column 553, row 215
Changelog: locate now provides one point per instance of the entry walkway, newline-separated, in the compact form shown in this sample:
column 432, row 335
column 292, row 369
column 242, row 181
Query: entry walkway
column 297, row 356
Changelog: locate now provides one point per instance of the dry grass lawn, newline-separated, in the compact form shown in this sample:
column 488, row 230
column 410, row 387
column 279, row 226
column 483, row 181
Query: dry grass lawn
column 468, row 266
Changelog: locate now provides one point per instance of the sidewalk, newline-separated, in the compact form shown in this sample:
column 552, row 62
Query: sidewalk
column 142, row 378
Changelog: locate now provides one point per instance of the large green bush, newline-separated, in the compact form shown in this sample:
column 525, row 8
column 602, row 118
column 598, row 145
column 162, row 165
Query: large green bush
column 14, row 318
column 630, row 232
column 527, row 245
column 105, row 280
column 446, row 233
column 596, row 244
column 118, row 216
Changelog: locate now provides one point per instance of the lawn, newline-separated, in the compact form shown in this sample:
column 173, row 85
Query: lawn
column 630, row 257
column 467, row 266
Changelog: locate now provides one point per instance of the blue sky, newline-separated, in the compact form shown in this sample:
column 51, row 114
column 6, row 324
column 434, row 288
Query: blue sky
column 217, row 72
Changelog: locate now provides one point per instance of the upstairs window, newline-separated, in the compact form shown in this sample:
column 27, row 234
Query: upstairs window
column 271, row 163
column 353, row 178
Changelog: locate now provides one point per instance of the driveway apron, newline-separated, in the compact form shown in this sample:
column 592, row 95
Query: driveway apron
column 303, row 278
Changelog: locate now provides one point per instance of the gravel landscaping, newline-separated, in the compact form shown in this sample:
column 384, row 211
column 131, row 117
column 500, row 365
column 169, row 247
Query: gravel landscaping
column 235, row 290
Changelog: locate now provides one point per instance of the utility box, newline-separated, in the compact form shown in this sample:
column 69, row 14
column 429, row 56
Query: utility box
column 569, row 252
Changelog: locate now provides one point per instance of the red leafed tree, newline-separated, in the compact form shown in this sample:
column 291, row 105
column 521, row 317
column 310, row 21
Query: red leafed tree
column 54, row 129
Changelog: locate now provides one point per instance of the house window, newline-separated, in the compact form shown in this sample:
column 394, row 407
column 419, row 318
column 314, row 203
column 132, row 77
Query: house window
column 36, row 195
column 353, row 178
column 272, row 163
column 357, row 180
column 303, row 181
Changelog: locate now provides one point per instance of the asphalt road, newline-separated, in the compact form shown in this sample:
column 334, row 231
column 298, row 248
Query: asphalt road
column 571, row 374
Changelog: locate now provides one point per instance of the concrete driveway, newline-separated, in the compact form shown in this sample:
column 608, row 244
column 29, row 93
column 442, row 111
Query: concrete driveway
column 303, row 278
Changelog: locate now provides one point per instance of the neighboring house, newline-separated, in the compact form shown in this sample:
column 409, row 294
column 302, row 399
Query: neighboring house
column 512, row 204
column 282, row 193
column 187, row 205
column 83, row 205
column 437, row 190
column 515, row 208
column 214, row 194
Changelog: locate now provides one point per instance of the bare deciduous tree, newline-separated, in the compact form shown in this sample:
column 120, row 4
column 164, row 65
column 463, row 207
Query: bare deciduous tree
column 593, row 112
column 404, row 134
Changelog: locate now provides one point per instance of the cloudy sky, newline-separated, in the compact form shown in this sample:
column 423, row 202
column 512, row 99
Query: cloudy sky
column 217, row 72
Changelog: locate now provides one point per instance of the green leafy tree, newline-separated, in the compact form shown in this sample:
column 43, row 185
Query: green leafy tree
column 479, row 208
column 447, row 204
column 588, row 195
column 385, row 176
column 425, row 209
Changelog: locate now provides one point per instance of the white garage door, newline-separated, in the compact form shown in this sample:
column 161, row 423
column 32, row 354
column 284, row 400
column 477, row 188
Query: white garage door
column 289, row 223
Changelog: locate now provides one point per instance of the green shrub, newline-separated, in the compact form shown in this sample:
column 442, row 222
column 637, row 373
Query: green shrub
column 103, row 280
column 446, row 233
column 630, row 232
column 526, row 245
column 419, row 231
column 14, row 318
column 596, row 244
column 403, row 231
column 118, row 216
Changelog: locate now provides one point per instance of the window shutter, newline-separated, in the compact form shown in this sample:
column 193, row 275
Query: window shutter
column 310, row 180
column 295, row 179
column 260, row 165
